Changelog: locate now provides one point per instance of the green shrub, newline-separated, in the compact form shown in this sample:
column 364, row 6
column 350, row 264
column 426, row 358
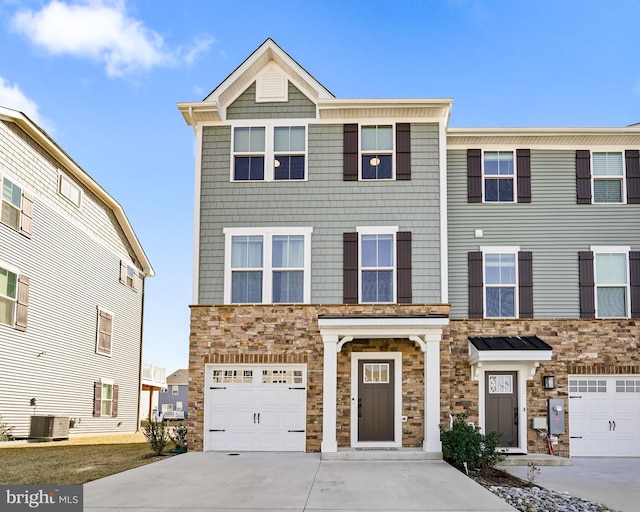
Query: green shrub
column 5, row 431
column 157, row 435
column 179, row 437
column 464, row 447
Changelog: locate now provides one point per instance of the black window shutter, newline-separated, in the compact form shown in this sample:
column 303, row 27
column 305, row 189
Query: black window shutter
column 350, row 152
column 403, row 151
column 350, row 268
column 583, row 176
column 587, row 285
column 525, row 283
column 97, row 398
column 634, row 281
column 474, row 175
column 523, row 162
column 632, row 161
column 404, row 293
column 475, row 285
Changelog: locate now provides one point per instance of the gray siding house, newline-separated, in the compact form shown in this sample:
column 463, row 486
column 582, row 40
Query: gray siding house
column 72, row 276
column 363, row 272
column 172, row 401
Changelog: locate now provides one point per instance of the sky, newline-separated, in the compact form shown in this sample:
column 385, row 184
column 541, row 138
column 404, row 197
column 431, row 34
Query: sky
column 103, row 77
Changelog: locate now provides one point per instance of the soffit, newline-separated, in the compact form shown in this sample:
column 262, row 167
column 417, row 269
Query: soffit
column 541, row 137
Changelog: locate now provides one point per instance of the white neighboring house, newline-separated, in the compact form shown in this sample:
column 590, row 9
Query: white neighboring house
column 72, row 276
column 154, row 380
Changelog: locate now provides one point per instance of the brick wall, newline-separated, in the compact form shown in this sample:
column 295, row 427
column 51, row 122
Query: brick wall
column 290, row 334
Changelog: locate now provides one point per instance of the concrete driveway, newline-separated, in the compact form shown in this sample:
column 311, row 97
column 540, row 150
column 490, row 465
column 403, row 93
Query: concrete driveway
column 275, row 482
column 614, row 482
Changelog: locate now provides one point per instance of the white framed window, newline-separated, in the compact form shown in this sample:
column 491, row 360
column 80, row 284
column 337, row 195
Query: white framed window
column 376, row 152
column 500, row 267
column 498, row 177
column 8, row 294
column 167, row 407
column 179, row 405
column 11, row 204
column 608, row 177
column 500, row 384
column 267, row 265
column 273, row 152
column 375, row 373
column 69, row 190
column 104, row 332
column 377, row 261
column 611, row 275
column 174, row 390
column 106, row 405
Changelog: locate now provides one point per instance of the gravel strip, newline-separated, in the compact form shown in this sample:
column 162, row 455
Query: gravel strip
column 538, row 499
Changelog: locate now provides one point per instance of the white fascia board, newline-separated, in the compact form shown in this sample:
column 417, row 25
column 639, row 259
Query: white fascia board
column 49, row 145
column 382, row 327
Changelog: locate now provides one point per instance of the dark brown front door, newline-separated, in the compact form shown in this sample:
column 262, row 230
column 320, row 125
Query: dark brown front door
column 375, row 400
column 501, row 406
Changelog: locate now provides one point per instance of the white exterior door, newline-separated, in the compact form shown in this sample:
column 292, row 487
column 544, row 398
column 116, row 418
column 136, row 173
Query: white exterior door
column 255, row 408
column 604, row 416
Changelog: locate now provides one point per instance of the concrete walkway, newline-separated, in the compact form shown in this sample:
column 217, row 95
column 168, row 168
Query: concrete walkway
column 199, row 482
column 614, row 482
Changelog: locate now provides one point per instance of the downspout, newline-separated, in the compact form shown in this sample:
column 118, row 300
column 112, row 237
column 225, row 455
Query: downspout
column 140, row 359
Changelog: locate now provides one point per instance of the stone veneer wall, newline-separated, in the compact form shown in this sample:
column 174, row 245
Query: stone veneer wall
column 290, row 334
column 584, row 347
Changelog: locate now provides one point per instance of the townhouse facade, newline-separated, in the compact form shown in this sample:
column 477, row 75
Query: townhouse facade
column 363, row 272
column 72, row 275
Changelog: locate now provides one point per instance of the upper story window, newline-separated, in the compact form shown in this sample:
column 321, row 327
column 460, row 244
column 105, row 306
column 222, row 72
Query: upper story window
column 608, row 178
column 174, row 390
column 129, row 276
column 499, row 176
column 269, row 153
column 267, row 265
column 16, row 207
column 377, row 267
column 11, row 204
column 377, row 152
column 69, row 190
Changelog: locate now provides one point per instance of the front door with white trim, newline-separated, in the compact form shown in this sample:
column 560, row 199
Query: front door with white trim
column 604, row 416
column 255, row 407
column 501, row 406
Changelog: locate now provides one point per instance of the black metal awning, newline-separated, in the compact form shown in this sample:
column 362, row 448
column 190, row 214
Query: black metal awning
column 508, row 343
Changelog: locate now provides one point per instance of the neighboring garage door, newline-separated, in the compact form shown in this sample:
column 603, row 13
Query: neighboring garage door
column 255, row 408
column 604, row 416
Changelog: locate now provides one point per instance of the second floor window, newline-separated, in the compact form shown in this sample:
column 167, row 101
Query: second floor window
column 269, row 153
column 611, row 280
column 268, row 266
column 11, row 203
column 500, row 285
column 8, row 296
column 377, row 267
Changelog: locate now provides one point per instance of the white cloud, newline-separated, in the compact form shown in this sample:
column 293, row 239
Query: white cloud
column 12, row 97
column 102, row 31
column 200, row 45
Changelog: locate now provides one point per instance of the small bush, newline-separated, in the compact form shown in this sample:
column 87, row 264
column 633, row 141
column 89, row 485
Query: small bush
column 179, row 437
column 5, row 431
column 464, row 447
column 157, row 436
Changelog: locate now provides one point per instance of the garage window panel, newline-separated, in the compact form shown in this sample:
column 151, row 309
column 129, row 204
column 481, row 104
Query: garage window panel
column 232, row 376
column 588, row 386
column 628, row 386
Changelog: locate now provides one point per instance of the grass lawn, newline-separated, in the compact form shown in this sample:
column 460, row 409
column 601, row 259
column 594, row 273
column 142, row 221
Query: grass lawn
column 74, row 461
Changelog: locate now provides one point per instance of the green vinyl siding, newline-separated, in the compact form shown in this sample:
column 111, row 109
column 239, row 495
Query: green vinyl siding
column 245, row 106
column 553, row 227
column 326, row 203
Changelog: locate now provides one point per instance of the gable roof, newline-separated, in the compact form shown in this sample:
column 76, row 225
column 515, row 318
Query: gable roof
column 51, row 147
column 179, row 378
column 213, row 109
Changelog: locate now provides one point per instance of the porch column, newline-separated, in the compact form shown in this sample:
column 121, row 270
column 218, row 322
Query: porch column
column 329, row 385
column 431, row 441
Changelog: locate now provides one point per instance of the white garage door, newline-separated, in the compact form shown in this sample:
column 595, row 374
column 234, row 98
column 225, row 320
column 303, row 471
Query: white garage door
column 255, row 408
column 604, row 416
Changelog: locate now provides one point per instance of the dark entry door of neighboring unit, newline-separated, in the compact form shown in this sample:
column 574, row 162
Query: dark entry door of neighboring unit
column 375, row 400
column 501, row 406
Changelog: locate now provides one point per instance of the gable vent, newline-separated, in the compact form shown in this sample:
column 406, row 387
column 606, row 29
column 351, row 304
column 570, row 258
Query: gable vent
column 271, row 85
